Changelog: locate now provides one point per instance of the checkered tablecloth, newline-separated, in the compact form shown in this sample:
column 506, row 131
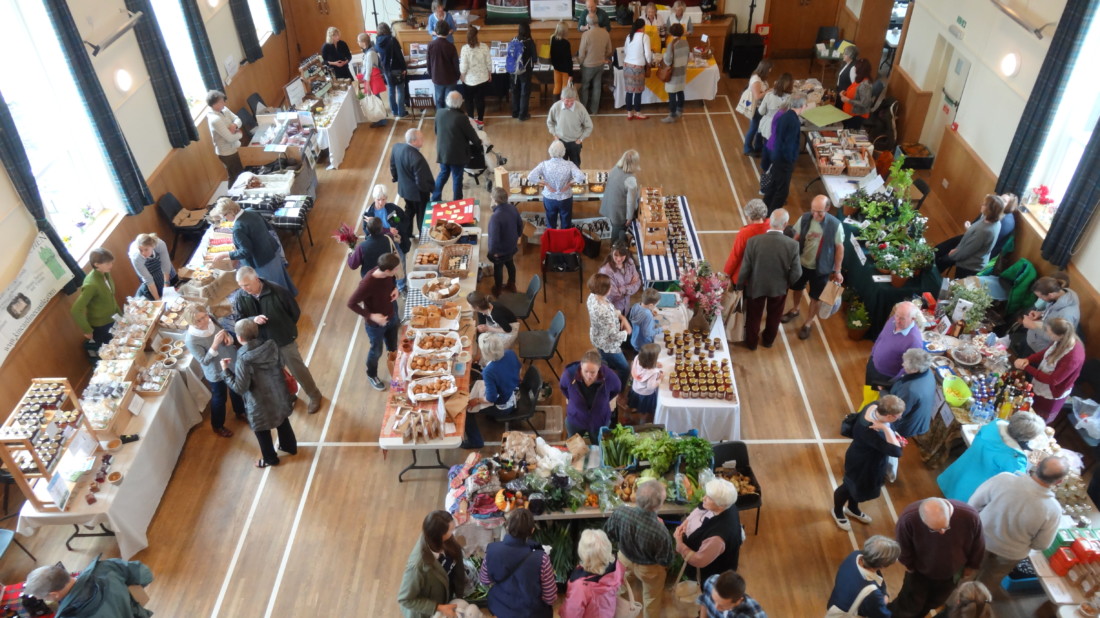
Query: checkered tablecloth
column 413, row 298
column 656, row 268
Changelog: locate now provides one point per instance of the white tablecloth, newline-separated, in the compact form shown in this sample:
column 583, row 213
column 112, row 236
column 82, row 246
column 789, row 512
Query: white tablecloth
column 703, row 87
column 716, row 419
column 147, row 466
column 337, row 135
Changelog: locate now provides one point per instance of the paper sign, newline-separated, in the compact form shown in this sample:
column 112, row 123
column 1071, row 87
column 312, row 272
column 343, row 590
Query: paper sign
column 946, row 414
column 83, row 445
column 52, row 429
column 275, row 148
column 136, row 404
column 961, row 307
column 859, row 250
column 460, row 211
column 881, row 278
column 704, row 38
column 58, row 490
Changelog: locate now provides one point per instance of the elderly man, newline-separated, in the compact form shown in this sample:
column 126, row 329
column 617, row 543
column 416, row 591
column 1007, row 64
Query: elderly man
column 443, row 63
column 375, row 298
column 787, row 137
column 769, row 267
column 1019, row 514
column 940, row 540
column 225, row 132
column 594, row 54
column 756, row 211
column 820, row 239
column 557, row 176
column 274, row 309
column 723, row 596
column 900, row 333
column 100, row 591
column 645, row 546
column 454, row 136
column 569, row 121
column 593, row 17
column 409, row 169
column 917, row 388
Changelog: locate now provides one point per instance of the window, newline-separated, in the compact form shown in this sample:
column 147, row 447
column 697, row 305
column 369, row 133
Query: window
column 1070, row 131
column 261, row 18
column 74, row 178
column 173, row 27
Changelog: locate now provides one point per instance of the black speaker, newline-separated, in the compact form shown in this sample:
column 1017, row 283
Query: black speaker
column 743, row 53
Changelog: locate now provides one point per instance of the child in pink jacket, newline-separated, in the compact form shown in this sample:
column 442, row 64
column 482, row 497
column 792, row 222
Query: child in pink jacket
column 594, row 585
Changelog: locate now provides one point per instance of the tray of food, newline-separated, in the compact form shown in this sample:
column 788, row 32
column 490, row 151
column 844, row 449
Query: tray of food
column 437, row 344
column 429, row 365
column 445, row 233
column 153, row 381
column 455, row 261
column 427, row 389
column 433, row 317
column 426, row 259
column 966, row 356
column 440, row 290
column 416, row 279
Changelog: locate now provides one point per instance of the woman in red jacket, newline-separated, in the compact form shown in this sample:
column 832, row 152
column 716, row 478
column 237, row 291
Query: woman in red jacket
column 1055, row 369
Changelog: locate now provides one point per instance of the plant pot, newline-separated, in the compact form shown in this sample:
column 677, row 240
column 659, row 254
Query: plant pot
column 857, row 334
column 851, row 211
column 897, row 281
column 700, row 321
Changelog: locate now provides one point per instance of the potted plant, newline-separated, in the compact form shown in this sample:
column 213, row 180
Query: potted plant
column 857, row 319
column 851, row 205
column 703, row 291
column 980, row 301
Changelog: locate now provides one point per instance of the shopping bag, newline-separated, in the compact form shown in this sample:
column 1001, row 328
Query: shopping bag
column 628, row 607
column 686, row 591
column 853, row 611
column 746, row 105
column 735, row 319
column 291, row 383
column 870, row 395
column 373, row 108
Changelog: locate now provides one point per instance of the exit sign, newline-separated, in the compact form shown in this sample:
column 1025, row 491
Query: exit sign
column 959, row 20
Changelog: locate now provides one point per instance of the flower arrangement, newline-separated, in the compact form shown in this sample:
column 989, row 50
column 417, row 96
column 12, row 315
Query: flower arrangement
column 902, row 257
column 857, row 317
column 703, row 288
column 346, row 234
column 1042, row 193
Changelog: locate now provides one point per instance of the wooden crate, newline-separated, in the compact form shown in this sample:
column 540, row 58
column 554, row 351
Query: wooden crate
column 658, row 247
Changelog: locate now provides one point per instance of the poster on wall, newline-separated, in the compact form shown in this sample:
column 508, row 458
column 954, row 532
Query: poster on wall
column 43, row 275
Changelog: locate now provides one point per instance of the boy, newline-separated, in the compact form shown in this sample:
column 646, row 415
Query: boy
column 643, row 319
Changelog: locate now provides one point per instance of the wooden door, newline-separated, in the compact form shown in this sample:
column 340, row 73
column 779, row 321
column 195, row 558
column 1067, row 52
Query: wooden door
column 795, row 23
column 312, row 19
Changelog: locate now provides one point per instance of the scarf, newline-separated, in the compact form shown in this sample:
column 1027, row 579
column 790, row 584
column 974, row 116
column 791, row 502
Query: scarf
column 209, row 331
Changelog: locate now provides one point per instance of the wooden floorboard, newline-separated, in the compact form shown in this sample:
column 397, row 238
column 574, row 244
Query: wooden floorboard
column 331, row 527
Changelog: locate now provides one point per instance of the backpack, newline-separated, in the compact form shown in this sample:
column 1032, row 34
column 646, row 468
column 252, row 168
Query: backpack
column 513, row 63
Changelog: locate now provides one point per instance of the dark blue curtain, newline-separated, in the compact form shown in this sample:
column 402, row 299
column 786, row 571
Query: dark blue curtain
column 1034, row 125
column 204, row 54
column 246, row 30
column 1077, row 207
column 131, row 184
column 275, row 11
column 174, row 109
column 22, row 178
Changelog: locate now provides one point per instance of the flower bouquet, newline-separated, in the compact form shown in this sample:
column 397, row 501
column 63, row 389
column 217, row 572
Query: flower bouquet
column 346, row 234
column 857, row 319
column 703, row 291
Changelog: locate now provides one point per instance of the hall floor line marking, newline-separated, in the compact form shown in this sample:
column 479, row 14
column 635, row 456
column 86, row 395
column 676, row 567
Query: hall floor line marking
column 722, row 158
column 240, row 544
column 776, row 441
column 716, row 231
column 623, row 115
column 752, row 160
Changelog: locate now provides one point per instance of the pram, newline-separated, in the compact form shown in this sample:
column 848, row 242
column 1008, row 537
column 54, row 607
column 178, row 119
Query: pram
column 479, row 157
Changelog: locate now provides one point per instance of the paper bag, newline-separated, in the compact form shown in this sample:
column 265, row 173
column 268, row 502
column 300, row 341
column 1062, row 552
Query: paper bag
column 500, row 177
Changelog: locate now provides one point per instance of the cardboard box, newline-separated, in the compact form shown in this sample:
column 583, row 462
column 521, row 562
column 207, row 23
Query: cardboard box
column 187, row 218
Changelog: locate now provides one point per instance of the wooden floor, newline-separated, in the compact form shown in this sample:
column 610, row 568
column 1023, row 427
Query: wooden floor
column 330, row 529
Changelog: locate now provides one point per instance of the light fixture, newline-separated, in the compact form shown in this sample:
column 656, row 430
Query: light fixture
column 123, row 80
column 1010, row 64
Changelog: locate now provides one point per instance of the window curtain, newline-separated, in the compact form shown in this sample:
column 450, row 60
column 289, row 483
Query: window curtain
column 174, row 109
column 275, row 12
column 18, row 167
column 204, row 54
column 127, row 177
column 1034, row 125
column 1077, row 207
column 246, row 30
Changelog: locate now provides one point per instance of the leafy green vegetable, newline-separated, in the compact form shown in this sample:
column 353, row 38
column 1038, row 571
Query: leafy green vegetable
column 658, row 448
column 558, row 535
column 696, row 454
column 616, row 445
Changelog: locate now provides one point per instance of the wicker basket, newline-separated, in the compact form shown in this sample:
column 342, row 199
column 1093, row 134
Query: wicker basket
column 860, row 170
column 456, row 251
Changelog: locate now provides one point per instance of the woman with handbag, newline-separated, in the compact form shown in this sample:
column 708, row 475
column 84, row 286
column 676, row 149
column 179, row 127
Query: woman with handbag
column 259, row 378
column 593, row 588
column 434, row 573
column 772, row 102
column 394, row 69
column 475, row 67
column 675, row 63
column 637, row 57
column 209, row 344
column 866, row 461
column 758, row 86
column 710, row 538
column 859, row 588
column 255, row 242
column 518, row 573
column 372, row 82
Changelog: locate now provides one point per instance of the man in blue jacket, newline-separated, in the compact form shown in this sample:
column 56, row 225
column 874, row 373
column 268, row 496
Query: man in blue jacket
column 788, row 135
column 100, row 591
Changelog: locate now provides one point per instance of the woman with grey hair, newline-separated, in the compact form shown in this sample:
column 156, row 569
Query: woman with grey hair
column 396, row 225
column 495, row 393
column 917, row 388
column 594, row 585
column 619, row 202
column 255, row 242
column 678, row 16
column 859, row 587
column 970, row 600
column 557, row 176
column 756, row 211
column 1000, row 446
column 866, row 460
column 710, row 538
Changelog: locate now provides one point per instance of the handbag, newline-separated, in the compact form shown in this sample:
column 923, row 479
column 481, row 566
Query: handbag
column 664, row 72
column 746, row 104
column 373, row 108
column 291, row 383
column 735, row 319
column 766, row 181
column 628, row 607
column 853, row 611
column 849, row 424
column 687, row 591
column 399, row 272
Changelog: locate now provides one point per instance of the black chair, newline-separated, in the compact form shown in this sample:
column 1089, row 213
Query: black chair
column 543, row 344
column 736, row 450
column 254, row 102
column 526, row 400
column 248, row 121
column 924, row 189
column 824, row 34
column 169, row 206
column 554, row 262
column 523, row 305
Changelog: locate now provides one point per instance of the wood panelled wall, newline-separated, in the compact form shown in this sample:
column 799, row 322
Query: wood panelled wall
column 866, row 30
column 51, row 347
column 310, row 24
column 913, row 104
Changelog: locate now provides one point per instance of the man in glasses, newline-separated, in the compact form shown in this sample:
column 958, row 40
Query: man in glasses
column 941, row 542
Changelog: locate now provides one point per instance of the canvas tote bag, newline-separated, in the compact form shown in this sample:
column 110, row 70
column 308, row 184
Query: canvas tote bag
column 628, row 607
column 853, row 611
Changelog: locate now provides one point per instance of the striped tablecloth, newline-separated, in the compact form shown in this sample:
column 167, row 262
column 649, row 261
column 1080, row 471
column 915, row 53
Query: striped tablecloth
column 656, row 268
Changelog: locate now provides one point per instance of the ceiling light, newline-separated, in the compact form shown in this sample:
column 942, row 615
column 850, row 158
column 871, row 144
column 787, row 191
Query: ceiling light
column 1010, row 64
column 123, row 80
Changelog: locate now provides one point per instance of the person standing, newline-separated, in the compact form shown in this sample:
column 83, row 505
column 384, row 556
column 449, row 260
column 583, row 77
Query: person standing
column 593, row 18
column 505, row 227
column 593, row 587
column 723, row 596
column 151, row 261
column 645, row 545
column 434, row 573
column 820, row 239
column 454, row 137
column 209, row 344
column 556, row 176
column 561, row 57
column 899, row 334
column 999, row 446
column 1054, row 370
column 475, row 66
column 865, row 461
column 917, row 387
column 225, row 132
column 336, row 54
column 569, row 122
column 257, row 376
column 847, row 73
column 769, row 268
column 518, row 572
column 758, row 87
column 637, row 56
column 371, row 82
column 1019, row 514
column 619, row 202
column 757, row 214
column 521, row 71
column 860, row 575
column 443, row 64
column 608, row 328
column 773, row 101
column 376, row 300
column 274, row 309
column 409, row 169
column 676, row 56
column 594, row 54
column 588, row 387
column 255, row 243
column 787, row 133
column 377, row 243
column 941, row 541
column 101, row 589
column 394, row 69
column 441, row 14
column 95, row 308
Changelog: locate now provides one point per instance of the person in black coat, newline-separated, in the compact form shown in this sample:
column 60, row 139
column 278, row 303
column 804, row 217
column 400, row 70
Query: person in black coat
column 454, row 136
column 865, row 463
column 336, row 54
column 409, row 169
column 846, row 73
column 394, row 69
column 709, row 539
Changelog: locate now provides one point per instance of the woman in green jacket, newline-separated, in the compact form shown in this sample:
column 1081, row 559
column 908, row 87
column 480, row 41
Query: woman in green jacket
column 435, row 573
column 95, row 308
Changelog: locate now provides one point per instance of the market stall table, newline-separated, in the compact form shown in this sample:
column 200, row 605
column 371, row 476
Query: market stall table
column 840, row 186
column 702, row 84
column 517, row 195
column 337, row 135
column 663, row 268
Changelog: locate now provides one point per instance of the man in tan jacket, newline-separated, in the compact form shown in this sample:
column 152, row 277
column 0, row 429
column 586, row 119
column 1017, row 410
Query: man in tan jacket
column 594, row 54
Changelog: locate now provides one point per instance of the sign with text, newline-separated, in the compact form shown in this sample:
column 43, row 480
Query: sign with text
column 43, row 275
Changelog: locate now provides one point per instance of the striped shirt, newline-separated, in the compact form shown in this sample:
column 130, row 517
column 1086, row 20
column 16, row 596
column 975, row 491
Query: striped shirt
column 546, row 578
column 559, row 175
column 748, row 608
